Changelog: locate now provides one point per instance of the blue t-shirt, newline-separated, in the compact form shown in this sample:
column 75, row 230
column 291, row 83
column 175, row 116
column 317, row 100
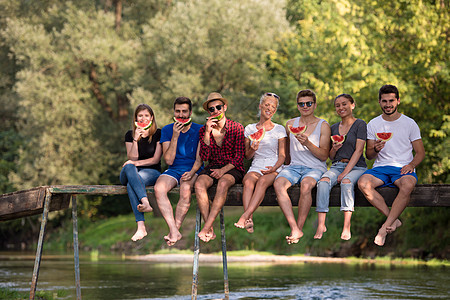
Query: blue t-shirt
column 186, row 145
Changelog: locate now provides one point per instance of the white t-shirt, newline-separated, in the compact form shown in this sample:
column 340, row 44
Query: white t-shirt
column 267, row 153
column 301, row 155
column 397, row 151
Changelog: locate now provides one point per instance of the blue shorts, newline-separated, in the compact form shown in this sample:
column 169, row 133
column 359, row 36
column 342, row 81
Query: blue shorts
column 176, row 173
column 388, row 174
column 296, row 173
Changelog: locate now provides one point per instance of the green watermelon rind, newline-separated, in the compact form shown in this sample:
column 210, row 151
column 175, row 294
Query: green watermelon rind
column 184, row 123
column 384, row 139
column 260, row 138
column 337, row 135
column 218, row 117
column 146, row 127
column 290, row 127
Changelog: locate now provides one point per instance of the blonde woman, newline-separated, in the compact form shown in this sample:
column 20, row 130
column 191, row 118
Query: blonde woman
column 268, row 156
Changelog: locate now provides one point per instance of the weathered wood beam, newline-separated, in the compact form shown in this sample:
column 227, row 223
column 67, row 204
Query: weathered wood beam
column 30, row 202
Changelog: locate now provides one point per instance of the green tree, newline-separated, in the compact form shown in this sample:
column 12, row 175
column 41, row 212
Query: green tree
column 357, row 46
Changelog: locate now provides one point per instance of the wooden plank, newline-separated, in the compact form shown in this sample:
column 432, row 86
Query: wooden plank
column 28, row 203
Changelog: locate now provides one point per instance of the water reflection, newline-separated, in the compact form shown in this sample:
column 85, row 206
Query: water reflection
column 118, row 279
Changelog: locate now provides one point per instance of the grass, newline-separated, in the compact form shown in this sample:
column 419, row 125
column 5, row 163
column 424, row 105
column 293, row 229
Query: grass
column 113, row 235
column 9, row 294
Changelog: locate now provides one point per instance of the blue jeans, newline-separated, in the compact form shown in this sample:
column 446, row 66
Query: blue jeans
column 136, row 179
column 347, row 189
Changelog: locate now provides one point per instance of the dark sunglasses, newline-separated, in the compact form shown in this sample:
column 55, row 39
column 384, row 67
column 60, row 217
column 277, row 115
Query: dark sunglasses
column 273, row 95
column 302, row 104
column 213, row 108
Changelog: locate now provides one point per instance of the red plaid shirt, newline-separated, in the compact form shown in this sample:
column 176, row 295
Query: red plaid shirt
column 232, row 150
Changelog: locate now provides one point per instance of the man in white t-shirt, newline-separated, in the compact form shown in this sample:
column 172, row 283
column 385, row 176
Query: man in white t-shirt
column 394, row 160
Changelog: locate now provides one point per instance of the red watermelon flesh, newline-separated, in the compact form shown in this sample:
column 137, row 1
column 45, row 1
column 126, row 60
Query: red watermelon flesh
column 185, row 122
column 297, row 130
column 257, row 136
column 384, row 136
column 218, row 116
column 143, row 125
column 338, row 139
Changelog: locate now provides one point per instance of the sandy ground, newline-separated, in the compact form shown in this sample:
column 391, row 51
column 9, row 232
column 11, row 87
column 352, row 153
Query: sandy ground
column 254, row 258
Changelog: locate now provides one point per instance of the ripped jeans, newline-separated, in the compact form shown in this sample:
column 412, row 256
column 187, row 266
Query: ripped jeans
column 347, row 189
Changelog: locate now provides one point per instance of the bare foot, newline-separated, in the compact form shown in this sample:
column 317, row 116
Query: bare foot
column 172, row 238
column 397, row 223
column 346, row 234
column 294, row 237
column 240, row 223
column 381, row 237
column 139, row 235
column 249, row 225
column 204, row 236
column 320, row 230
column 211, row 234
column 145, row 206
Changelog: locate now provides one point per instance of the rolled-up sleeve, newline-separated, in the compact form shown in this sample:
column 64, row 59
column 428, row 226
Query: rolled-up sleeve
column 205, row 150
column 239, row 147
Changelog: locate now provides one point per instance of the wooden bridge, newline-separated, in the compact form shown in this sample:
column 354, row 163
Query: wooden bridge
column 42, row 200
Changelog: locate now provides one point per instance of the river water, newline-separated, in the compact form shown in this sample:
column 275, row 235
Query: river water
column 114, row 278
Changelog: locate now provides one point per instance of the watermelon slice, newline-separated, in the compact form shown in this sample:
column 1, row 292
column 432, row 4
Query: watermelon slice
column 257, row 136
column 217, row 117
column 297, row 130
column 143, row 125
column 338, row 139
column 185, row 122
column 384, row 136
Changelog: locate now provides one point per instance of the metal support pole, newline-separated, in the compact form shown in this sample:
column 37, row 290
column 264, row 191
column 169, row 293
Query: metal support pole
column 76, row 255
column 37, row 261
column 224, row 255
column 198, row 222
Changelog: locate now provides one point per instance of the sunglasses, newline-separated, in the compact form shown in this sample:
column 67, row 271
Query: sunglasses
column 213, row 108
column 272, row 95
column 302, row 104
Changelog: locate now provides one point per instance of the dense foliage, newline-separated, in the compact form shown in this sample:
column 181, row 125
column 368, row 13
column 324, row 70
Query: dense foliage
column 72, row 72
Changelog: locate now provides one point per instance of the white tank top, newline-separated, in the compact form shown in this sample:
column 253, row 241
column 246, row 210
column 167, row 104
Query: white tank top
column 300, row 155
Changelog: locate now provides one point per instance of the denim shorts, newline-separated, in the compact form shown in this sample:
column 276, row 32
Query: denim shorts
column 296, row 173
column 176, row 173
column 388, row 174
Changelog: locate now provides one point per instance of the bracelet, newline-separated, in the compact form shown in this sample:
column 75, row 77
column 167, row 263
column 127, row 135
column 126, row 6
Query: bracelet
column 134, row 140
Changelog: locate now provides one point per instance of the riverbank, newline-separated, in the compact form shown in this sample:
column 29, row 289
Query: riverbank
column 250, row 257
column 113, row 234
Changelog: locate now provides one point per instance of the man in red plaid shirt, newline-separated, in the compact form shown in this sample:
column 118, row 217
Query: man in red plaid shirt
column 222, row 146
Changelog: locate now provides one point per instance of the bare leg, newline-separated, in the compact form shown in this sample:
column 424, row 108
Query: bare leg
column 406, row 185
column 163, row 185
column 281, row 185
column 141, row 232
column 321, row 228
column 201, row 192
column 346, row 233
column 145, row 206
column 305, row 201
column 367, row 184
column 185, row 200
column 249, row 181
column 224, row 183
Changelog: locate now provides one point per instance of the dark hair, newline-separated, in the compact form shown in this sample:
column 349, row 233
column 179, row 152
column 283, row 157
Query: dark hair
column 306, row 93
column 152, row 128
column 346, row 96
column 388, row 89
column 183, row 100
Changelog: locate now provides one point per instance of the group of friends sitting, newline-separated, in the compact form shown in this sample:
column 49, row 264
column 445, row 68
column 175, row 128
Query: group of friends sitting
column 286, row 155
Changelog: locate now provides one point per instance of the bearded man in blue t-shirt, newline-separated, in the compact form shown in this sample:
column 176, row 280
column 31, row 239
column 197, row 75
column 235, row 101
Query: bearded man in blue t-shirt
column 179, row 142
